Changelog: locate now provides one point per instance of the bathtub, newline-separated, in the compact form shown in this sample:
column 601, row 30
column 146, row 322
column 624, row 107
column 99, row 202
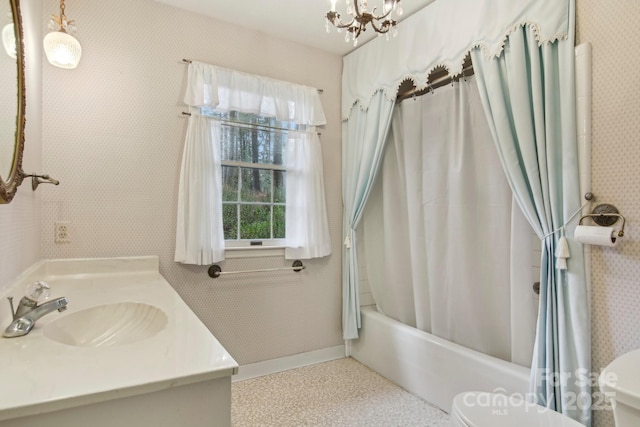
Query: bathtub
column 428, row 366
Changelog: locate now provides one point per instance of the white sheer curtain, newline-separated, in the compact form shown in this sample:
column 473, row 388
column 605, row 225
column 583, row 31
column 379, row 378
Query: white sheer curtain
column 443, row 235
column 199, row 234
column 199, row 231
column 307, row 228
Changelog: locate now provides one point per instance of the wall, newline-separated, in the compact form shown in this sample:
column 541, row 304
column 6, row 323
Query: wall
column 20, row 220
column 114, row 137
column 611, row 28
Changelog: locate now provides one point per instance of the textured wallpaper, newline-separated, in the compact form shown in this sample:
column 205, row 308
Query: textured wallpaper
column 611, row 28
column 114, row 136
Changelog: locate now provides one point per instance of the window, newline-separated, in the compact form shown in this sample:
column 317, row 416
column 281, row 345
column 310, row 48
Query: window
column 253, row 150
column 253, row 206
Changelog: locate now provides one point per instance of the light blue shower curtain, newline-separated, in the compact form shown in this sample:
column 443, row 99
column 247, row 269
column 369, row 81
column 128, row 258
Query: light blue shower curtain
column 529, row 99
column 363, row 136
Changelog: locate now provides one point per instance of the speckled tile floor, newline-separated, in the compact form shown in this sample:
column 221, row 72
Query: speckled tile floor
column 338, row 393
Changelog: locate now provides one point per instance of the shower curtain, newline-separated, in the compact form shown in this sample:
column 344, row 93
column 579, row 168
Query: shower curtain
column 532, row 113
column 447, row 249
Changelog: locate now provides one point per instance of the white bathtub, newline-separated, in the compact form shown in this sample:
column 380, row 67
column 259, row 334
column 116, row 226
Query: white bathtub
column 428, row 366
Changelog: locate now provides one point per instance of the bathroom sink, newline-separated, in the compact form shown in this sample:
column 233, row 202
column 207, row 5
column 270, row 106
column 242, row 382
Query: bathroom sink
column 107, row 325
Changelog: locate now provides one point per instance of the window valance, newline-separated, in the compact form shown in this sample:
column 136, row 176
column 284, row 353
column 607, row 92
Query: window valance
column 442, row 34
column 230, row 90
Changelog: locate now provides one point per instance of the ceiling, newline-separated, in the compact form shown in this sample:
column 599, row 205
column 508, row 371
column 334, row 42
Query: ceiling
column 301, row 21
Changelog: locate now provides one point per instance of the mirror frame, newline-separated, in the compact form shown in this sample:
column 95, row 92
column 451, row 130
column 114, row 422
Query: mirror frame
column 9, row 186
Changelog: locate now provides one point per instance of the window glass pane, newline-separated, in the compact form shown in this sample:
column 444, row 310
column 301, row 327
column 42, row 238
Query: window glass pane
column 229, row 184
column 278, row 222
column 278, row 147
column 250, row 145
column 229, row 143
column 256, row 185
column 279, row 187
column 230, row 221
column 255, row 222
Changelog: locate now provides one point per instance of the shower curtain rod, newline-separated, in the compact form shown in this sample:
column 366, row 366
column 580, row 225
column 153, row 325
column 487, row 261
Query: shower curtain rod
column 189, row 61
column 436, row 79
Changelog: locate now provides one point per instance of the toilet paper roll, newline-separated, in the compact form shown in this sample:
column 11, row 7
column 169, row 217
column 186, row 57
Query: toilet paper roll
column 596, row 235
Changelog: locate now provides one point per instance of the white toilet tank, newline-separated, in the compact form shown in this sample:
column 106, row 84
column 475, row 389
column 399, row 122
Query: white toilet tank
column 620, row 381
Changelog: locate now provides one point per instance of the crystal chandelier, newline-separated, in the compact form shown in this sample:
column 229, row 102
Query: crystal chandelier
column 62, row 49
column 360, row 17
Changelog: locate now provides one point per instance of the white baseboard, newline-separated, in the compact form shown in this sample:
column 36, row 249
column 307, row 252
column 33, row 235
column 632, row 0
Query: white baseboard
column 259, row 369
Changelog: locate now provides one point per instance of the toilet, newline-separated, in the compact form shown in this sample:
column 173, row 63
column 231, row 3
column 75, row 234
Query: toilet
column 480, row 409
column 620, row 382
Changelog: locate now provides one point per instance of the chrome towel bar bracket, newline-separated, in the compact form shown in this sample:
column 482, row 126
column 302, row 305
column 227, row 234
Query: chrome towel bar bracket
column 215, row 271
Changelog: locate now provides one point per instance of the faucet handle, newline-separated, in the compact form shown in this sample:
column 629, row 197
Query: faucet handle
column 38, row 291
column 13, row 312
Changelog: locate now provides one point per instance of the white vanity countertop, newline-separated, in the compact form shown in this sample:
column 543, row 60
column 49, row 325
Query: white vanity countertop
column 41, row 375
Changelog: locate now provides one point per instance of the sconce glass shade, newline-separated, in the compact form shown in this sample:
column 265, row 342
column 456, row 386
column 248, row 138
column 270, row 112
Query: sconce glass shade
column 9, row 40
column 62, row 49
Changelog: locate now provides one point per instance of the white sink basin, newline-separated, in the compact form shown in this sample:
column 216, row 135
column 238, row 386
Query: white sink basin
column 108, row 325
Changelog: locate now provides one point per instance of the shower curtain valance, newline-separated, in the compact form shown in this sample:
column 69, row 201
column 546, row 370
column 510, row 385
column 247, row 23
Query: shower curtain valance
column 442, row 34
column 230, row 90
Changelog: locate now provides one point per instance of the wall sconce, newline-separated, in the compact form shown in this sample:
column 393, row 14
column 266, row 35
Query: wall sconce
column 9, row 40
column 62, row 49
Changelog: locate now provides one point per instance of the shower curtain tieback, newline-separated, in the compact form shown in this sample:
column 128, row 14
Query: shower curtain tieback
column 562, row 251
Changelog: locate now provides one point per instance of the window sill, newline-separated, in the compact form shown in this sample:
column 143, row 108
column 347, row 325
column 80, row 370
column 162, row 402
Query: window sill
column 254, row 252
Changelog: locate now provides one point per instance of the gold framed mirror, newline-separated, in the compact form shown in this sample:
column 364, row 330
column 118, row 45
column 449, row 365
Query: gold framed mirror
column 12, row 102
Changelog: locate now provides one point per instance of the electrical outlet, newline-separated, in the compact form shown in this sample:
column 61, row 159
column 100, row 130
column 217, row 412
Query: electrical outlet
column 62, row 231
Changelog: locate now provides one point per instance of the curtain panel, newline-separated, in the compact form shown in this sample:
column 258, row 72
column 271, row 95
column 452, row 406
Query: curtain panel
column 529, row 99
column 199, row 228
column 199, row 234
column 307, row 227
column 363, row 142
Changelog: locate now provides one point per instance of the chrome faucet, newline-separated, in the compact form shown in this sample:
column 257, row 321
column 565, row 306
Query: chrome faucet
column 29, row 311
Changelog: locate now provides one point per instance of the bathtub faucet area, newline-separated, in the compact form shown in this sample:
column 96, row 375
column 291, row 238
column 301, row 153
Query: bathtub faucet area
column 29, row 310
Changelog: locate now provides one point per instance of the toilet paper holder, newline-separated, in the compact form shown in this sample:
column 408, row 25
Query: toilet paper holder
column 605, row 215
